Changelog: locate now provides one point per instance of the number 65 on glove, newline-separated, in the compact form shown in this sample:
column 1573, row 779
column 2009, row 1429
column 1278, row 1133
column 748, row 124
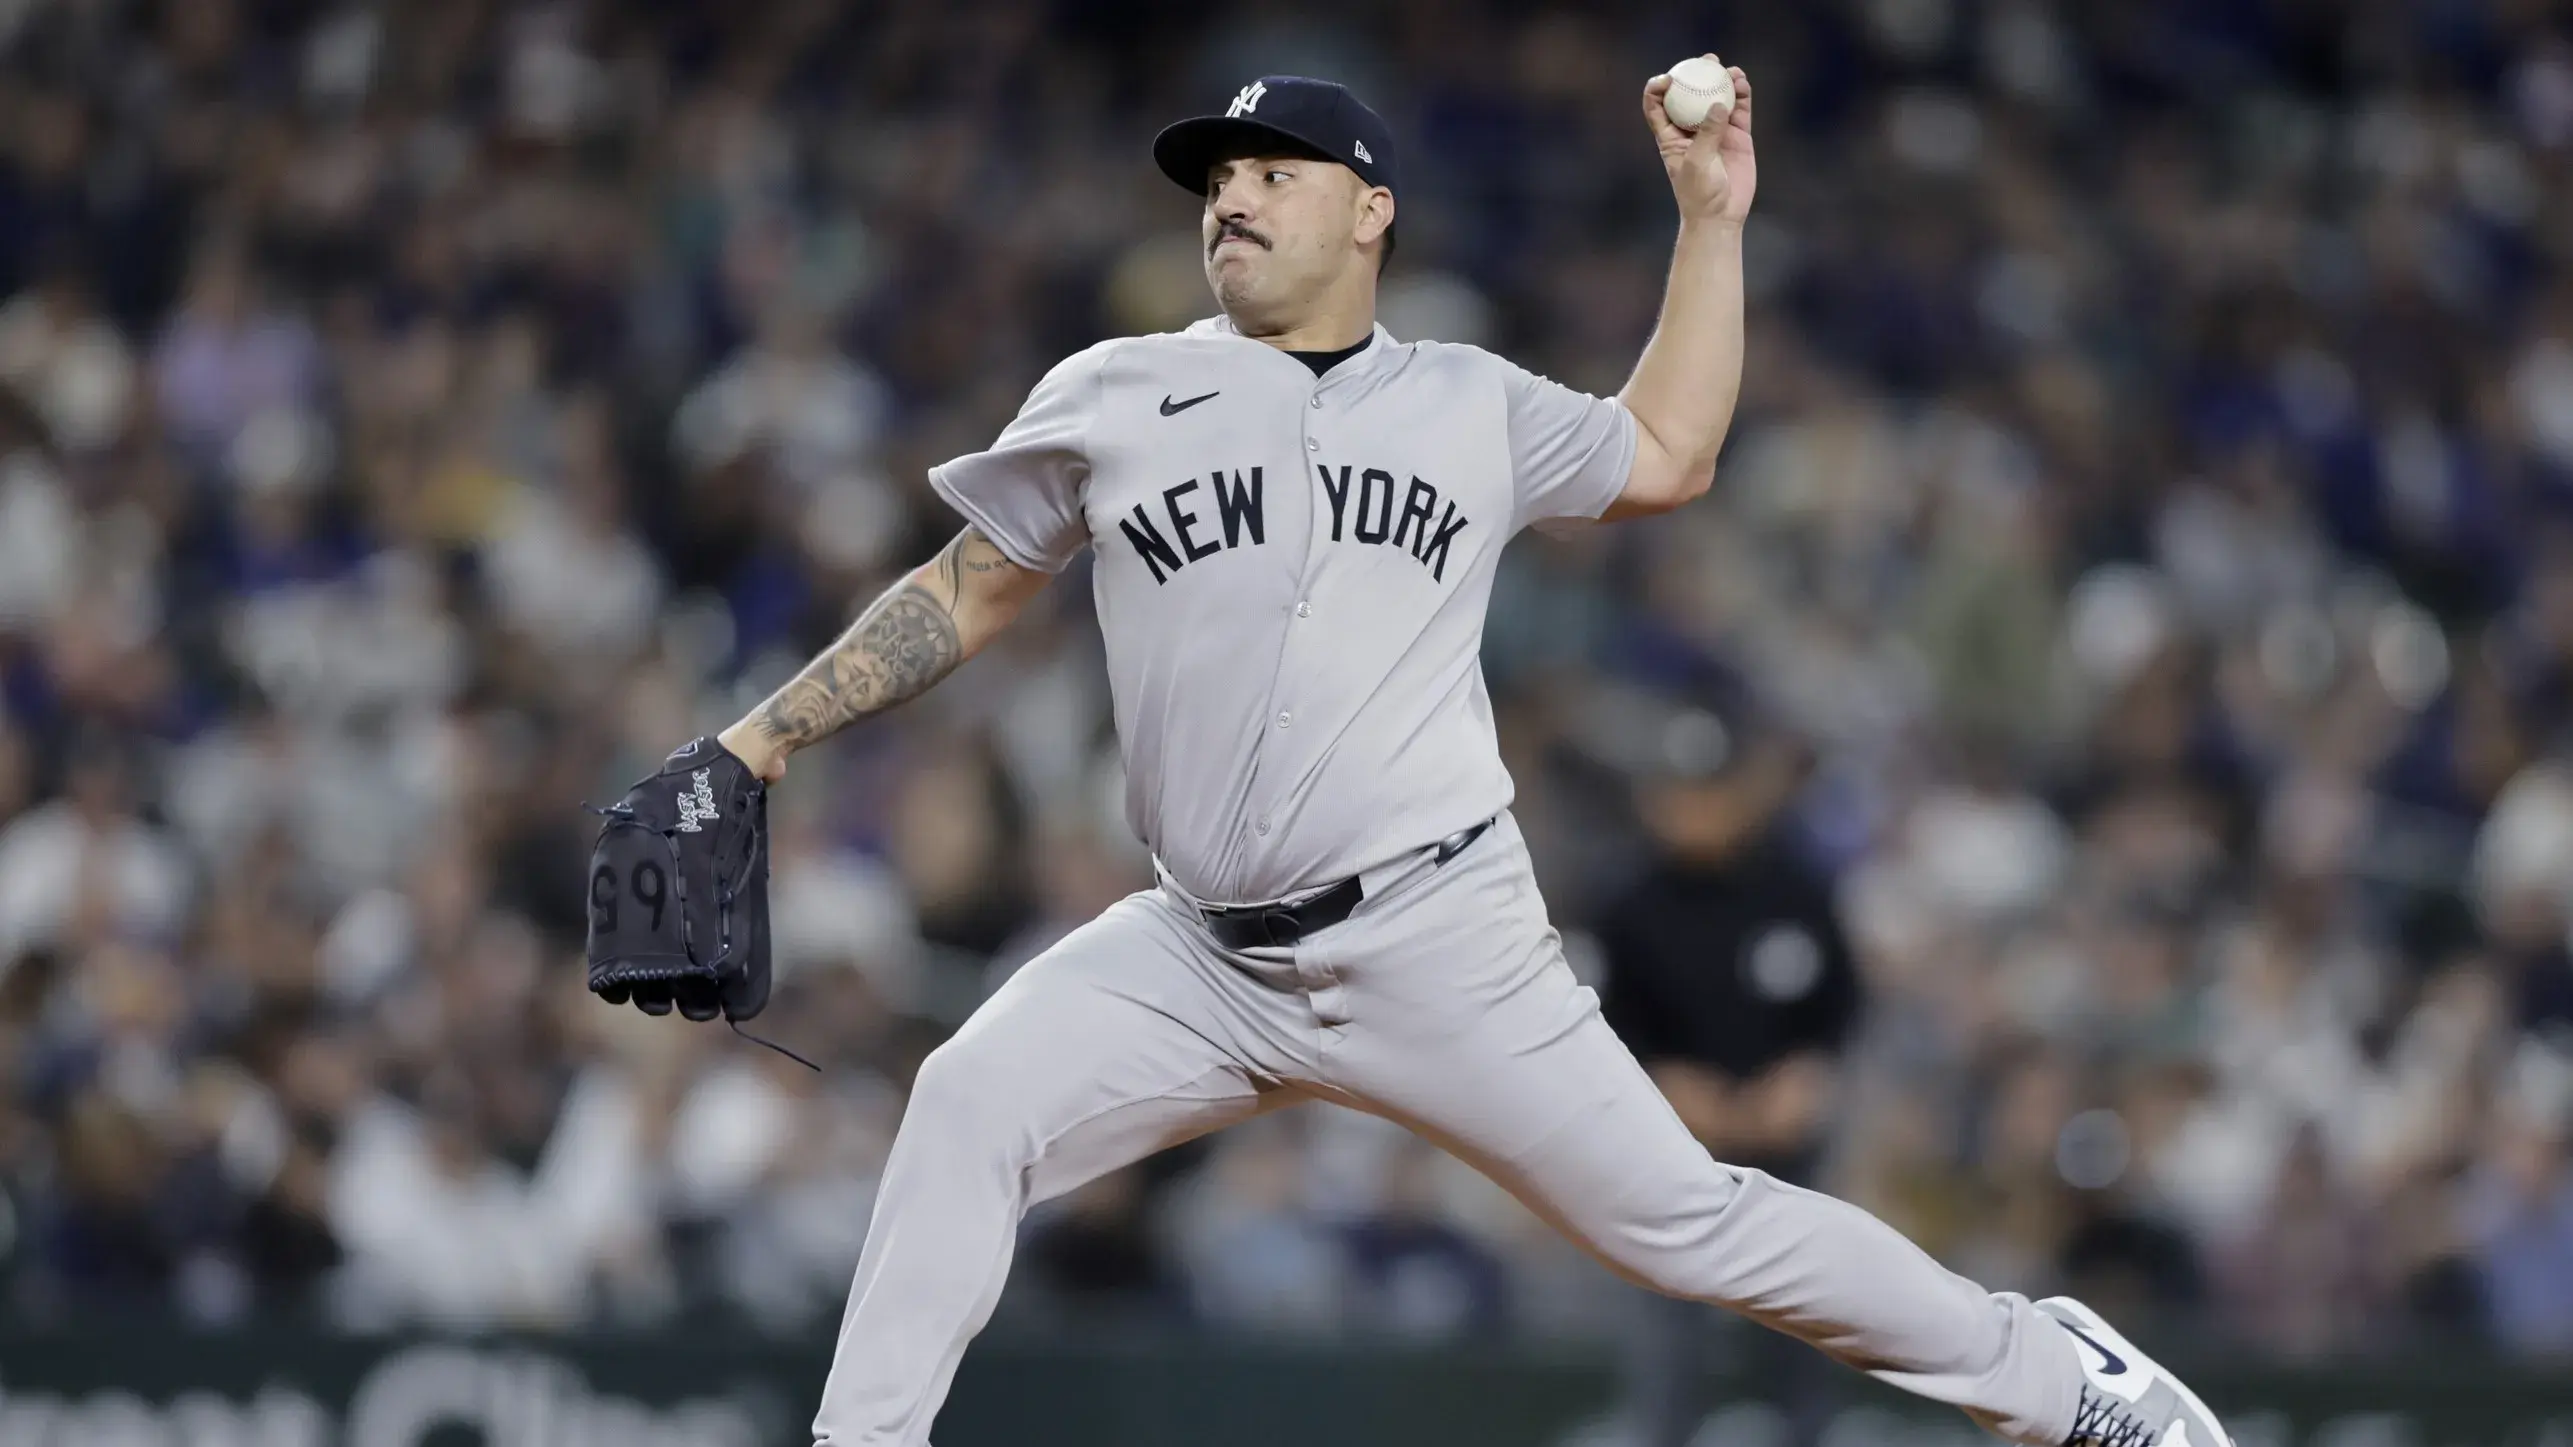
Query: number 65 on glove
column 678, row 892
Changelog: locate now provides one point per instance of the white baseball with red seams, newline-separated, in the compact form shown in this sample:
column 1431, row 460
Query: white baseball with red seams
column 1701, row 86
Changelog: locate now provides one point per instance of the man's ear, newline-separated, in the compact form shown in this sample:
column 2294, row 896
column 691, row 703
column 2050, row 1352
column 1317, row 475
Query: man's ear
column 1377, row 214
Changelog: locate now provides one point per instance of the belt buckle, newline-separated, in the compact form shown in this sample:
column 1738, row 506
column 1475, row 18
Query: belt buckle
column 1457, row 843
column 1282, row 929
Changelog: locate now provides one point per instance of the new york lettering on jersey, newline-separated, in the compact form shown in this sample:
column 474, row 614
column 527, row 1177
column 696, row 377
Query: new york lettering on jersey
column 1237, row 500
column 1371, row 518
column 1367, row 516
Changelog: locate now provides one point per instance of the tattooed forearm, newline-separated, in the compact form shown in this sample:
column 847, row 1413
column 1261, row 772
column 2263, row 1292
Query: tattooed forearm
column 939, row 615
column 894, row 652
column 903, row 644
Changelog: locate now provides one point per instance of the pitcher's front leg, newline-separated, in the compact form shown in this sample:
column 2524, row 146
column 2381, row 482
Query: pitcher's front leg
column 1117, row 1042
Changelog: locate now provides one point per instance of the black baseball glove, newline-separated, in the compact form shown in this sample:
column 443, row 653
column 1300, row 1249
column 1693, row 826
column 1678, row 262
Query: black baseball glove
column 679, row 890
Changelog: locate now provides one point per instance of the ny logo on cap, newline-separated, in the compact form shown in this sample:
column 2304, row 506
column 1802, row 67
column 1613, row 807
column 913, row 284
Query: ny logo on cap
column 1248, row 99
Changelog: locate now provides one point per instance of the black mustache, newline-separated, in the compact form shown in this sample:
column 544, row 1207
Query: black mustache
column 1228, row 229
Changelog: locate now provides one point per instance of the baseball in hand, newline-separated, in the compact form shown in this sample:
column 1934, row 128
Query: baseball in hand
column 1701, row 86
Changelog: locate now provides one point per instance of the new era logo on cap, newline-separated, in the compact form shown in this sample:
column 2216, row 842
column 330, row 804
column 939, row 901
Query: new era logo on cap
column 1361, row 147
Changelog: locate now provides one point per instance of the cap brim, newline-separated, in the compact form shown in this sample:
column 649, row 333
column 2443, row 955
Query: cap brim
column 1186, row 150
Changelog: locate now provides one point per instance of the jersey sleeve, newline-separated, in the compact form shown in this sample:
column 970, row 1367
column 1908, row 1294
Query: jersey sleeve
column 1569, row 451
column 1024, row 491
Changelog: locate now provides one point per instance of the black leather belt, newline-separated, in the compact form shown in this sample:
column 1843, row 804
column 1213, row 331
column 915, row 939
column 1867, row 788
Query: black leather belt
column 1282, row 926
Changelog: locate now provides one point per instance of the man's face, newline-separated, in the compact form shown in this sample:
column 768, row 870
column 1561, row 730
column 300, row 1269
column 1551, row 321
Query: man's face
column 1711, row 821
column 1706, row 821
column 1279, row 229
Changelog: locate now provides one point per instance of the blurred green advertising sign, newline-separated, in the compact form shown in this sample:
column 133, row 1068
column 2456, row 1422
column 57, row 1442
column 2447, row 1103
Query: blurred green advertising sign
column 159, row 1387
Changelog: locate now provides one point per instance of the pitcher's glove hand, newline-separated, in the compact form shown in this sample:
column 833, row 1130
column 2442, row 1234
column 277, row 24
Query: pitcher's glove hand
column 679, row 890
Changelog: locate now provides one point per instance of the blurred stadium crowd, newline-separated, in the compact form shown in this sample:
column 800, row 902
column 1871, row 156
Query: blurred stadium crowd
column 2150, row 520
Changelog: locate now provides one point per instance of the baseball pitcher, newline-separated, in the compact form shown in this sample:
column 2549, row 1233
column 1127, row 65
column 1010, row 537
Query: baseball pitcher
column 1295, row 520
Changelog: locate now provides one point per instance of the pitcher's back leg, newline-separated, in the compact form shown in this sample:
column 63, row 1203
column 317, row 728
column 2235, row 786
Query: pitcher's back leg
column 1469, row 1027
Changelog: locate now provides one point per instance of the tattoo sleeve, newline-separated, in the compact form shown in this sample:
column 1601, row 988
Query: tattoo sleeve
column 900, row 646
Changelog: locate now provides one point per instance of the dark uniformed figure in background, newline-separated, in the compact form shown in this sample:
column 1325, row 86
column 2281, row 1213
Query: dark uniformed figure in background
column 1728, row 975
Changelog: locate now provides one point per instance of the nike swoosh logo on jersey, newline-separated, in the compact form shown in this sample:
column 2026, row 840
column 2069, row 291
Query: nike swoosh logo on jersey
column 1173, row 409
column 2111, row 1364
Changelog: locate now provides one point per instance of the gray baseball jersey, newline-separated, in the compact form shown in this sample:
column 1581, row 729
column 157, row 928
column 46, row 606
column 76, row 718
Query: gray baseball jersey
column 1291, row 578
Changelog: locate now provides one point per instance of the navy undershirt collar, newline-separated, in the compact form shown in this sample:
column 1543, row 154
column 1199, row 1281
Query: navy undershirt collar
column 1322, row 362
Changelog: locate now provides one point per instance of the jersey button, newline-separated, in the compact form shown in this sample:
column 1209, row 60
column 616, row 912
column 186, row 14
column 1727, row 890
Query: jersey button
column 1313, row 444
column 1284, row 719
column 1304, row 610
column 1317, row 403
column 1262, row 826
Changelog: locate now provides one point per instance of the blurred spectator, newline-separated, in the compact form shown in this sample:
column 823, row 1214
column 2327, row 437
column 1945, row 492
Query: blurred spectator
column 84, row 867
column 2308, row 1281
column 1414, row 1272
column 2519, row 1210
column 773, row 1169
column 1091, row 1255
column 230, row 356
column 1255, row 1256
column 68, row 361
column 1729, row 976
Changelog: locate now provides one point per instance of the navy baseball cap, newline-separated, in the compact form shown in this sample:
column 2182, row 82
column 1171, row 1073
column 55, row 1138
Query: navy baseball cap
column 1315, row 115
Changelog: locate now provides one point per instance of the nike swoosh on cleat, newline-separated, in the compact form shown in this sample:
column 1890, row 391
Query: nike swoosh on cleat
column 1173, row 409
column 2111, row 1364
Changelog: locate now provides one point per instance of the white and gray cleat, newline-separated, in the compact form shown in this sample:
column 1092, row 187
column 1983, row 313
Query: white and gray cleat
column 2128, row 1399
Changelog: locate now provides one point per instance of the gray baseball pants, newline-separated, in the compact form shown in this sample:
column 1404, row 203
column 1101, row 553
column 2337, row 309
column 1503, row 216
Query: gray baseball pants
column 1443, row 1004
